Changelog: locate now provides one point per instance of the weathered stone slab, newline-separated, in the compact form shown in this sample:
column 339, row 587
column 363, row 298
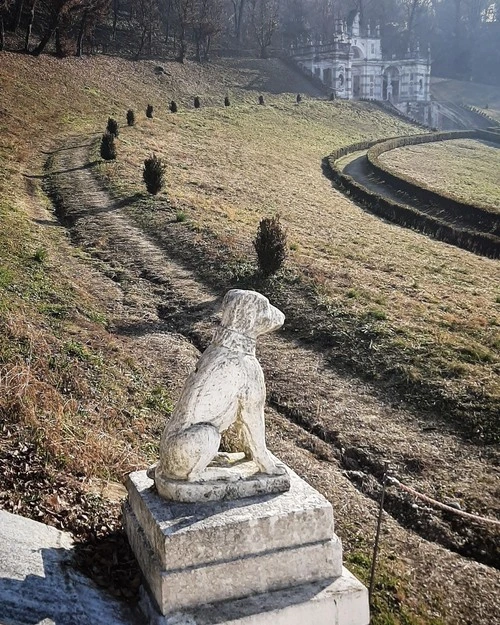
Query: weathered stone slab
column 183, row 588
column 189, row 535
column 38, row 583
column 343, row 601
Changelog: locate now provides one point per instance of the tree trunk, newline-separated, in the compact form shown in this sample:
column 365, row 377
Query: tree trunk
column 238, row 18
column 46, row 38
column 59, row 48
column 198, row 48
column 29, row 26
column 207, row 48
column 182, row 44
column 16, row 15
column 167, row 25
column 2, row 33
column 81, row 33
column 141, row 46
column 116, row 8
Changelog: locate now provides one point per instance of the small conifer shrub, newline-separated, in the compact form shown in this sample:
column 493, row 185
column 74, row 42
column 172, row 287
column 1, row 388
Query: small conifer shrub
column 173, row 107
column 130, row 117
column 197, row 102
column 226, row 101
column 112, row 126
column 108, row 148
column 261, row 99
column 154, row 174
column 149, row 111
column 270, row 245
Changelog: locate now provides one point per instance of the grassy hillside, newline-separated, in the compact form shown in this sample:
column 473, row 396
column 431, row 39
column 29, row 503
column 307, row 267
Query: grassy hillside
column 486, row 97
column 83, row 403
column 418, row 299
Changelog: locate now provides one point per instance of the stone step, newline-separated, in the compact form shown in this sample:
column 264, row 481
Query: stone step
column 343, row 601
column 38, row 582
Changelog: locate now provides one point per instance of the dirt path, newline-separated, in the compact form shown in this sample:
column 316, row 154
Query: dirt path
column 330, row 428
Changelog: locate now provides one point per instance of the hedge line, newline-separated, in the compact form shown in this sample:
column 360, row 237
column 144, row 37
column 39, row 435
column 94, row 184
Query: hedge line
column 479, row 243
column 488, row 221
column 478, row 111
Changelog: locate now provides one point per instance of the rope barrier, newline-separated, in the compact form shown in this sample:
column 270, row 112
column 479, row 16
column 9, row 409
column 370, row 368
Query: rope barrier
column 443, row 506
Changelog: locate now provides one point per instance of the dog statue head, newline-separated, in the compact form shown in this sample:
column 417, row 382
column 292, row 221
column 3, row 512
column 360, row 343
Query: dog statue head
column 249, row 313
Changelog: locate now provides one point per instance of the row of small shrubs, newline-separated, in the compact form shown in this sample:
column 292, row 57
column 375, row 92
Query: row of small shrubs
column 112, row 127
column 154, row 169
column 271, row 241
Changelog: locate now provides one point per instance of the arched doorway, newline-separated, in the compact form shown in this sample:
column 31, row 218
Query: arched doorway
column 356, row 83
column 390, row 89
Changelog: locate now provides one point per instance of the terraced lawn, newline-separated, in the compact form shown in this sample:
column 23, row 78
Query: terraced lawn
column 466, row 168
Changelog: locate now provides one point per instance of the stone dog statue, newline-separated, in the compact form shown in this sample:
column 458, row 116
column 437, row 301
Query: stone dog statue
column 226, row 388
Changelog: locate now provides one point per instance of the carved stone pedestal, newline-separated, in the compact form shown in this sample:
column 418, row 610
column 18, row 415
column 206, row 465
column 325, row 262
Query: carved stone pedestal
column 253, row 561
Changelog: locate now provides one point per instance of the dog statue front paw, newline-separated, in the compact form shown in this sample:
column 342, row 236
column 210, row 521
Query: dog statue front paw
column 270, row 467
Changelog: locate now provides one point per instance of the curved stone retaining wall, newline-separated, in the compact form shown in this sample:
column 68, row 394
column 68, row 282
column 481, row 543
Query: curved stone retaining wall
column 405, row 215
column 486, row 220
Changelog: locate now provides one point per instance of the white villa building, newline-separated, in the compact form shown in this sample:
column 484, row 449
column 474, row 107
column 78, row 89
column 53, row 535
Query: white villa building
column 352, row 66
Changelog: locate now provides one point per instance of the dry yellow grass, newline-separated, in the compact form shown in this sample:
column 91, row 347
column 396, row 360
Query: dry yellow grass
column 226, row 168
column 437, row 306
column 468, row 169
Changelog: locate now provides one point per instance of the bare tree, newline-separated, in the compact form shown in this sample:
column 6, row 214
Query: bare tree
column 92, row 12
column 116, row 10
column 264, row 18
column 238, row 17
column 167, row 16
column 206, row 23
column 29, row 25
column 5, row 7
column 56, row 11
column 414, row 9
column 15, row 14
column 184, row 11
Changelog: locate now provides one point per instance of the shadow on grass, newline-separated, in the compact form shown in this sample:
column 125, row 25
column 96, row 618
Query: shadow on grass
column 66, row 148
column 62, row 171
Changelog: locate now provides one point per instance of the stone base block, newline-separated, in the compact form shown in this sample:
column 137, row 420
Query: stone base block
column 264, row 559
column 227, row 579
column 184, row 535
column 343, row 601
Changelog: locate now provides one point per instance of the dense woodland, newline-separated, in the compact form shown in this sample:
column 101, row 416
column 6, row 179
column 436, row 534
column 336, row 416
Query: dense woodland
column 464, row 35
